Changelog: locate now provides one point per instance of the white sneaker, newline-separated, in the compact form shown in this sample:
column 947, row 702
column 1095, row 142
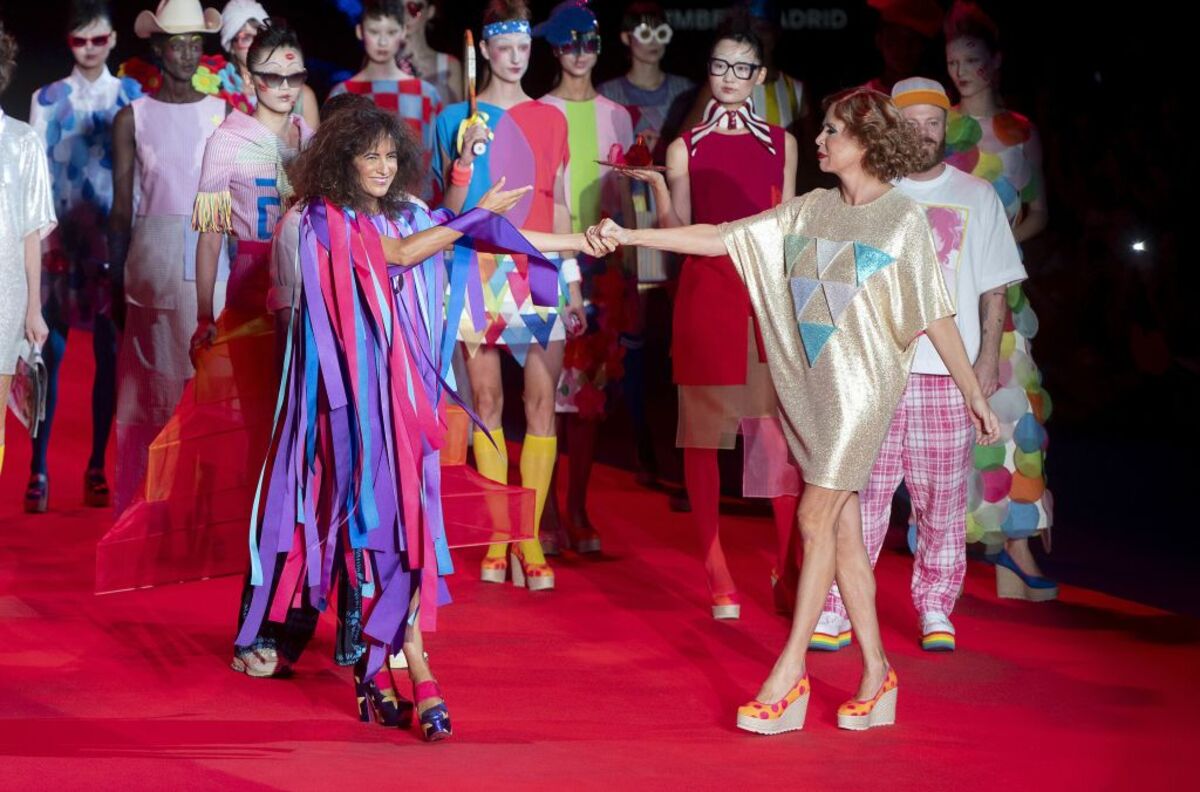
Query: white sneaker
column 937, row 633
column 832, row 633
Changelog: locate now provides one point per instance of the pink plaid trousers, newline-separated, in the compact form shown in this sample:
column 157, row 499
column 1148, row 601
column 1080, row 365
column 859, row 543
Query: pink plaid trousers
column 928, row 445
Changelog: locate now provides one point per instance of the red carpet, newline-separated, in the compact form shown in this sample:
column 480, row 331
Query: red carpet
column 620, row 676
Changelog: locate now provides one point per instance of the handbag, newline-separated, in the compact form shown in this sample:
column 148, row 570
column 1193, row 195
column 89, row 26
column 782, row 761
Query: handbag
column 27, row 396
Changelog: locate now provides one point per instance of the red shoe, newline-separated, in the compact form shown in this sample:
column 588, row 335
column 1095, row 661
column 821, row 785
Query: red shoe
column 784, row 715
column 879, row 710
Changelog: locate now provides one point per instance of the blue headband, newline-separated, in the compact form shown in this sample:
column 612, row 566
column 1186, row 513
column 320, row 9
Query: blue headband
column 509, row 26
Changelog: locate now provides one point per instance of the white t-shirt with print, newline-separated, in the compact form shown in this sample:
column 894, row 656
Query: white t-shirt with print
column 975, row 248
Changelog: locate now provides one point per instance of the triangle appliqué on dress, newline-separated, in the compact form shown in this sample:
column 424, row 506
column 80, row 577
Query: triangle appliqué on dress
column 815, row 336
column 868, row 261
column 838, row 296
column 793, row 246
column 802, row 291
column 827, row 251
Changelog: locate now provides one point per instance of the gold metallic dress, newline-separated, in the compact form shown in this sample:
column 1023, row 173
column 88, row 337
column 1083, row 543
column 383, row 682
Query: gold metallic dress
column 841, row 293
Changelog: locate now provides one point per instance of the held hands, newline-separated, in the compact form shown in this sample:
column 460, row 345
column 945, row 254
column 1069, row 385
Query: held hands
column 499, row 200
column 595, row 249
column 607, row 236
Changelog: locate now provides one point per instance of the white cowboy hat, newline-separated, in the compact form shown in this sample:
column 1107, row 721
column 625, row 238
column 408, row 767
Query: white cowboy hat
column 177, row 16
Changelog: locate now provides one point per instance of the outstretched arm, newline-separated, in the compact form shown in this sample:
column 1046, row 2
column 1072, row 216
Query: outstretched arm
column 693, row 240
column 414, row 249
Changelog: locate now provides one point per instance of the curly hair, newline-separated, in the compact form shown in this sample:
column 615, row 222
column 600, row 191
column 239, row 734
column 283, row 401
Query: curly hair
column 967, row 20
column 892, row 145
column 326, row 168
column 8, row 57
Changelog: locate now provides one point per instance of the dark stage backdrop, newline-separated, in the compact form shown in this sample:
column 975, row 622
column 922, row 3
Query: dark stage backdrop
column 1118, row 345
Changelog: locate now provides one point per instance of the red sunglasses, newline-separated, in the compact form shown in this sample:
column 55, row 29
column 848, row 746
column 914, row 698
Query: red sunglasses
column 82, row 41
column 414, row 9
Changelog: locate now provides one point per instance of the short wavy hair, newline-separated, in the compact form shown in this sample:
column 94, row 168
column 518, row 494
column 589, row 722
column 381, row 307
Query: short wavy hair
column 8, row 57
column 893, row 146
column 326, row 168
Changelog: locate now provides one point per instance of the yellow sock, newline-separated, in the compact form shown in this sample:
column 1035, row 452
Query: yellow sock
column 492, row 462
column 538, row 456
column 1, row 454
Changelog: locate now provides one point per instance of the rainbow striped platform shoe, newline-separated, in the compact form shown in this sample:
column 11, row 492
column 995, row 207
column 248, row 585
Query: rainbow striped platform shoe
column 879, row 710
column 937, row 633
column 784, row 715
column 832, row 633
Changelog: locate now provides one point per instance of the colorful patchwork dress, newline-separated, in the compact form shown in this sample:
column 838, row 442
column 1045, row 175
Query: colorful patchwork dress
column 530, row 147
column 593, row 361
column 1007, row 495
column 74, row 117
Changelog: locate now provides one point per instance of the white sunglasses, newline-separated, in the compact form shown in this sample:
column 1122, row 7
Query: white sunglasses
column 648, row 35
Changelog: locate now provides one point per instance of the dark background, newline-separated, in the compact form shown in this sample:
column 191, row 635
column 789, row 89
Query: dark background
column 1118, row 345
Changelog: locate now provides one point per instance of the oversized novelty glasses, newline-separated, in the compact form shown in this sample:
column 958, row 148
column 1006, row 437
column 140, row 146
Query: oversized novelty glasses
column 587, row 44
column 275, row 81
column 644, row 34
column 77, row 42
column 717, row 67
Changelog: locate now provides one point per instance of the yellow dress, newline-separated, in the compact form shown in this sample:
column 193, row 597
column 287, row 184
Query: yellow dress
column 841, row 293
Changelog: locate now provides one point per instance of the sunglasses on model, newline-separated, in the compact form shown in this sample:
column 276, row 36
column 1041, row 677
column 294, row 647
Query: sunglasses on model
column 717, row 67
column 77, row 42
column 276, row 81
column 644, row 34
column 587, row 44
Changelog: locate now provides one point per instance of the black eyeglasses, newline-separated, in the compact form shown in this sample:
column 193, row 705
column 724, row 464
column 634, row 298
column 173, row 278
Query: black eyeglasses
column 717, row 67
column 275, row 81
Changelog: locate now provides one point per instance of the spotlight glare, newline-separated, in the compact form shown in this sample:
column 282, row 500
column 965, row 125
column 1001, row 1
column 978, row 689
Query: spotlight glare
column 1139, row 247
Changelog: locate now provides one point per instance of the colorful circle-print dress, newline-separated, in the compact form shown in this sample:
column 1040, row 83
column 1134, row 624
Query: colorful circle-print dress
column 1008, row 498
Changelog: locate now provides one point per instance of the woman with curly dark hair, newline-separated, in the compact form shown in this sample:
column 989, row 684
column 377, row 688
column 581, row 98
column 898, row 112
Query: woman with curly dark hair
column 842, row 282
column 350, row 494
